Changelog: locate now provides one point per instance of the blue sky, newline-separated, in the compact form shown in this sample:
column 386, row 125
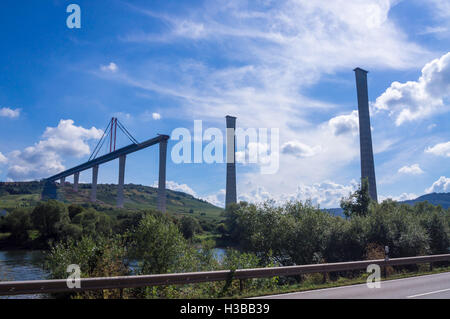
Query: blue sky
column 160, row 65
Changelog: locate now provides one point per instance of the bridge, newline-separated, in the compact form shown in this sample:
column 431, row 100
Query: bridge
column 121, row 154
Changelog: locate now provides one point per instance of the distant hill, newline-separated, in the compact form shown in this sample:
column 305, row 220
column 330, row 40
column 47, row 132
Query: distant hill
column 435, row 199
column 335, row 211
column 442, row 199
column 136, row 197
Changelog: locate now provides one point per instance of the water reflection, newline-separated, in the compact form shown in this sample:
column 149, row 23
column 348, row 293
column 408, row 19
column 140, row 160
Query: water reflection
column 22, row 265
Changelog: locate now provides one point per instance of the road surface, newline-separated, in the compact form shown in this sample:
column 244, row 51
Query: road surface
column 424, row 287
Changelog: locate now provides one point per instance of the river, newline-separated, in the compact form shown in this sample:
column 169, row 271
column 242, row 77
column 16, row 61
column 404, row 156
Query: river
column 19, row 265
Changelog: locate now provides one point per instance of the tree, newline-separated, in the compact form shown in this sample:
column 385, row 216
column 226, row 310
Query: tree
column 438, row 233
column 18, row 222
column 93, row 223
column 49, row 218
column 102, row 257
column 74, row 210
column 189, row 226
column 357, row 204
column 158, row 243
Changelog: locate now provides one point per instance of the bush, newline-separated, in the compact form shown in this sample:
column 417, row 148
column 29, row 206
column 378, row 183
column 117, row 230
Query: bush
column 18, row 223
column 103, row 257
column 299, row 233
column 158, row 242
column 49, row 218
column 189, row 226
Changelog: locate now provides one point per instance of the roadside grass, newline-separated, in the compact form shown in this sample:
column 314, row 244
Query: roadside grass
column 313, row 282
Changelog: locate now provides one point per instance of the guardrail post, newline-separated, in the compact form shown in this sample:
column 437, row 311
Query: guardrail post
column 324, row 280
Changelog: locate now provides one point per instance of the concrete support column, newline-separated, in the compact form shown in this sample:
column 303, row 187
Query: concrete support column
column 365, row 134
column 94, row 183
column 122, row 160
column 62, row 181
column 231, row 194
column 76, row 179
column 162, row 176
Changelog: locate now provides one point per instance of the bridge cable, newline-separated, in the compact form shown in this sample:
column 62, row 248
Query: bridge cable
column 99, row 142
column 128, row 134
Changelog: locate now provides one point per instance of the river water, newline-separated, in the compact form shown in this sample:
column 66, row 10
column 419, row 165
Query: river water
column 21, row 265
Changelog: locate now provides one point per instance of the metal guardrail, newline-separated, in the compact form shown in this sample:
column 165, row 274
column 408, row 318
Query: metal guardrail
column 54, row 286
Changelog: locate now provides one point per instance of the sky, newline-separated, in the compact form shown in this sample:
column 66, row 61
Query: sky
column 287, row 65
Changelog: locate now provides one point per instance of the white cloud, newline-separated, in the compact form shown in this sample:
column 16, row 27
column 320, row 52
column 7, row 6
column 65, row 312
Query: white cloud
column 442, row 185
column 112, row 67
column 123, row 116
column 45, row 157
column 441, row 15
column 419, row 99
column 8, row 112
column 343, row 124
column 411, row 170
column 441, row 149
column 433, row 30
column 3, row 159
column 178, row 187
column 217, row 199
column 299, row 149
column 256, row 153
column 275, row 51
column 156, row 116
column 327, row 194
column 400, row 198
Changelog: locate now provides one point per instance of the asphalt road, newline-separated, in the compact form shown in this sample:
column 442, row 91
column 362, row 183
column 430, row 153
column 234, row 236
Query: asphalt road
column 424, row 287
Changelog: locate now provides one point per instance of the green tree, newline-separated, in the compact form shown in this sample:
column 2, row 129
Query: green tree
column 18, row 222
column 49, row 218
column 158, row 244
column 189, row 226
column 93, row 223
column 438, row 232
column 357, row 204
column 102, row 257
column 74, row 210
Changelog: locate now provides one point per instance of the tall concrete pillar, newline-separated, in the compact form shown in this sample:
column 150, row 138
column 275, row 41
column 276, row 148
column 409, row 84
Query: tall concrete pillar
column 122, row 160
column 162, row 176
column 62, row 181
column 365, row 135
column 94, row 183
column 230, row 196
column 76, row 179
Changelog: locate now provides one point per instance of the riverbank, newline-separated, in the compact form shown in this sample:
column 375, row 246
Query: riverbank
column 7, row 243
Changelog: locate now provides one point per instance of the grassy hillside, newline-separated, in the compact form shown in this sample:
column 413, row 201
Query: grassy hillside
column 136, row 197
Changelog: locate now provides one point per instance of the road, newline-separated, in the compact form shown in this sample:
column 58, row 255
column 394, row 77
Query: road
column 435, row 286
